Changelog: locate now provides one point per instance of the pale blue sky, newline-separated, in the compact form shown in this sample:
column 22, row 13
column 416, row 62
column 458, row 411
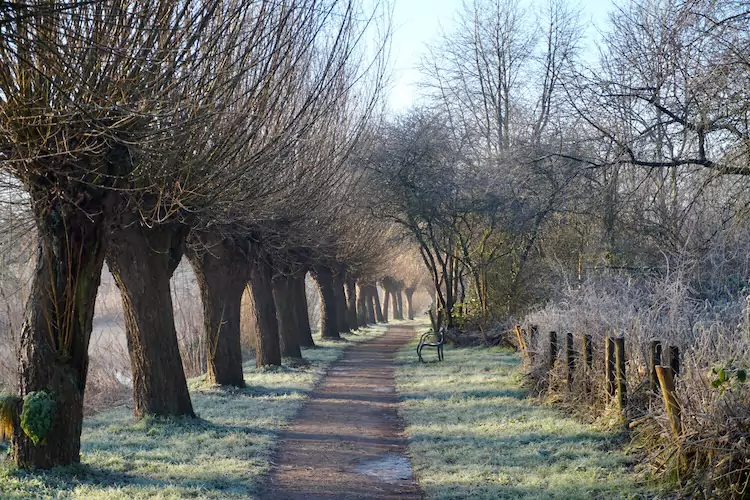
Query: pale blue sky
column 418, row 22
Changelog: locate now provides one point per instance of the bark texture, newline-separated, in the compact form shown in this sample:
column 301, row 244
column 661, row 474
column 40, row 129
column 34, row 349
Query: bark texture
column 329, row 328
column 53, row 354
column 222, row 272
column 284, row 299
column 267, row 345
column 142, row 261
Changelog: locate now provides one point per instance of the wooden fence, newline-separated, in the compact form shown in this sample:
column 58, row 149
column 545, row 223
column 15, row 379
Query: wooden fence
column 663, row 367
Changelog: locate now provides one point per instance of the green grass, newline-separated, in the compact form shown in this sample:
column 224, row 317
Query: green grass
column 222, row 454
column 474, row 434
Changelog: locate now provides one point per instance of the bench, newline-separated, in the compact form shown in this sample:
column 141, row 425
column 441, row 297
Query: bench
column 437, row 344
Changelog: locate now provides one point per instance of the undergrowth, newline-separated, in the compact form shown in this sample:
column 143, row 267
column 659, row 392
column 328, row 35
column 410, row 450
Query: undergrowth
column 711, row 456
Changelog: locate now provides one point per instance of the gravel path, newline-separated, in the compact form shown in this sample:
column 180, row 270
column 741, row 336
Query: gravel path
column 347, row 442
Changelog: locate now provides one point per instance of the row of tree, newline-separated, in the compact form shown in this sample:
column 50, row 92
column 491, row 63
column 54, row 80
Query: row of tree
column 142, row 131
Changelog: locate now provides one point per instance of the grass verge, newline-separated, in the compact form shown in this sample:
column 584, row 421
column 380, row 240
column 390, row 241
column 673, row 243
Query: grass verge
column 222, row 454
column 474, row 434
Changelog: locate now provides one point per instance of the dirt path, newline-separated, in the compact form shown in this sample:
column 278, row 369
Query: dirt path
column 347, row 441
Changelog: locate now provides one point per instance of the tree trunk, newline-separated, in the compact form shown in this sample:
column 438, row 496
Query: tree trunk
column 342, row 313
column 267, row 348
column 386, row 304
column 304, row 331
column 362, row 307
column 328, row 316
column 396, row 302
column 378, row 310
column 409, row 292
column 283, row 295
column 400, row 301
column 370, row 303
column 222, row 273
column 142, row 261
column 351, row 310
column 57, row 328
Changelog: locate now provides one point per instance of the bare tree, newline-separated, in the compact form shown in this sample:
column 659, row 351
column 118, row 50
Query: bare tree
column 88, row 112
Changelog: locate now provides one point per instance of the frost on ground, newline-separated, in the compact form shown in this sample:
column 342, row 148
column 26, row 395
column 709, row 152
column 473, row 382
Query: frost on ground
column 221, row 454
column 473, row 434
column 390, row 468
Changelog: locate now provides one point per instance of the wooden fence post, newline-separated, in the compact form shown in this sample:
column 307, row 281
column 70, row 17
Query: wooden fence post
column 609, row 363
column 570, row 358
column 666, row 381
column 521, row 341
column 654, row 353
column 588, row 356
column 552, row 349
column 674, row 360
column 533, row 334
column 622, row 386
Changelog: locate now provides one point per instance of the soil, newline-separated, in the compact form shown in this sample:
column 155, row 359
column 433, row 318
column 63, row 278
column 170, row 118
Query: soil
column 347, row 442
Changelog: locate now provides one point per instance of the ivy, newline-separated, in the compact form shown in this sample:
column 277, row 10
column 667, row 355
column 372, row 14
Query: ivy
column 727, row 377
column 37, row 415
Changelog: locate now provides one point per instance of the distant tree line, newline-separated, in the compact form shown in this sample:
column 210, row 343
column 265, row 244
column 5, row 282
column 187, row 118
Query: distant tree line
column 530, row 167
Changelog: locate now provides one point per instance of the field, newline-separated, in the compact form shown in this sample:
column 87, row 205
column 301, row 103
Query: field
column 474, row 434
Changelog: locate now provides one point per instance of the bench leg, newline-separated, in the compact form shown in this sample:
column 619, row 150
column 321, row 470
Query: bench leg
column 440, row 353
column 419, row 353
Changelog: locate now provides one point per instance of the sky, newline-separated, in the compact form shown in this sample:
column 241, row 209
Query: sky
column 417, row 23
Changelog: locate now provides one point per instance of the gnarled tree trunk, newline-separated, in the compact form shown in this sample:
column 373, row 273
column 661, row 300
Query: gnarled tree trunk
column 267, row 347
column 342, row 317
column 142, row 260
column 222, row 272
column 409, row 292
column 369, row 304
column 351, row 297
column 57, row 328
column 376, row 300
column 386, row 303
column 283, row 295
column 362, row 307
column 395, row 299
column 329, row 328
column 304, row 331
column 400, row 300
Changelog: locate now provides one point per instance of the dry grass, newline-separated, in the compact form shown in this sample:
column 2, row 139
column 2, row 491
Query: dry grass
column 474, row 434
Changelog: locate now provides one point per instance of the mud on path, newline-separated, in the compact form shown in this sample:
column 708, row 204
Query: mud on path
column 347, row 441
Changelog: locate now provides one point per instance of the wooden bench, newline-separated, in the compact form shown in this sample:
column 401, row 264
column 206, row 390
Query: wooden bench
column 437, row 344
